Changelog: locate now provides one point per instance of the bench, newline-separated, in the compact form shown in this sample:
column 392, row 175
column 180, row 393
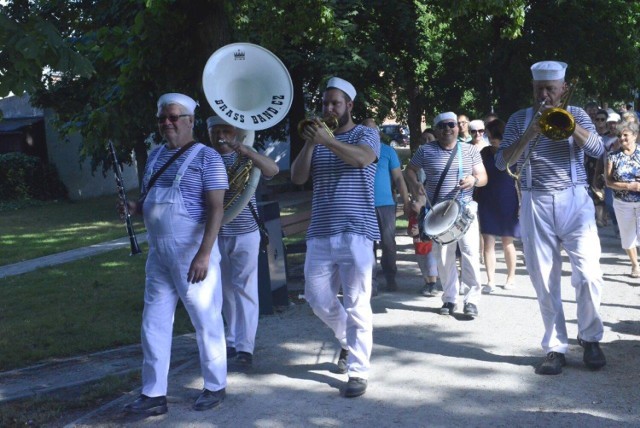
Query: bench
column 292, row 225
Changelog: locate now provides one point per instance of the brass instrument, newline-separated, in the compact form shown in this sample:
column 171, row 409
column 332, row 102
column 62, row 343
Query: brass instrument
column 329, row 123
column 556, row 123
column 249, row 88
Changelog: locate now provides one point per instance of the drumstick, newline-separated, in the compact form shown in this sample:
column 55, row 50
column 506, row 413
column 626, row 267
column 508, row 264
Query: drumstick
column 451, row 202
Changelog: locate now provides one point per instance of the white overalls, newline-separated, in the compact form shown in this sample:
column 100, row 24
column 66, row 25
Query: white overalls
column 174, row 239
column 552, row 221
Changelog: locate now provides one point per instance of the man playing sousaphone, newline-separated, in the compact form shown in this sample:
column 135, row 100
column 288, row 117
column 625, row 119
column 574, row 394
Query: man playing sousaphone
column 239, row 243
column 452, row 169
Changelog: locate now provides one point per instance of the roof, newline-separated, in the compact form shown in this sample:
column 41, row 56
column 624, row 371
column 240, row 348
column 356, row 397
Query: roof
column 14, row 124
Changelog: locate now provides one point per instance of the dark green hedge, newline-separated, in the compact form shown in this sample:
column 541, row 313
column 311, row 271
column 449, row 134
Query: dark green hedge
column 28, row 177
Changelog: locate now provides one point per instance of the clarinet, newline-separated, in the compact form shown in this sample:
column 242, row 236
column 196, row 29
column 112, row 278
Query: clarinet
column 117, row 170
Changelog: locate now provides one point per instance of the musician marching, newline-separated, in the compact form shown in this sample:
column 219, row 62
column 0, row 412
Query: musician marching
column 557, row 213
column 239, row 242
column 343, row 228
column 446, row 184
column 183, row 187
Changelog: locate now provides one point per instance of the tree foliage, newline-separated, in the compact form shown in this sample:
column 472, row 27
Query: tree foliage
column 105, row 63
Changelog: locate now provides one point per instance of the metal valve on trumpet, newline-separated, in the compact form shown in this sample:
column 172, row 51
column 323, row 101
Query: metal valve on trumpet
column 329, row 123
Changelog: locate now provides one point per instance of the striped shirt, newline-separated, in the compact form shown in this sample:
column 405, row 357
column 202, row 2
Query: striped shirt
column 432, row 159
column 244, row 222
column 343, row 200
column 550, row 161
column 206, row 172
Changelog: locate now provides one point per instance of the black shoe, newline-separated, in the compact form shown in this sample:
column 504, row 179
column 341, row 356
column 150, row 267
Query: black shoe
column 342, row 360
column 231, row 352
column 148, row 405
column 244, row 359
column 355, row 387
column 593, row 356
column 209, row 399
column 470, row 310
column 428, row 289
column 552, row 364
column 448, row 308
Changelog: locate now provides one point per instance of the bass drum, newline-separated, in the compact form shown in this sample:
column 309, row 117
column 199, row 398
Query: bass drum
column 448, row 221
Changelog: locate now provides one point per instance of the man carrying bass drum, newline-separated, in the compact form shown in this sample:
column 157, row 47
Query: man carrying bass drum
column 457, row 182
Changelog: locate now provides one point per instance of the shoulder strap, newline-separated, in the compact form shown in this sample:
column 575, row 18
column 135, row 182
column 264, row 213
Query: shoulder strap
column 444, row 173
column 164, row 167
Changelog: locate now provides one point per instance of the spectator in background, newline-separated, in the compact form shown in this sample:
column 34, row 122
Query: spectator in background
column 622, row 172
column 423, row 249
column 477, row 131
column 591, row 108
column 388, row 177
column 497, row 211
column 610, row 141
column 463, row 123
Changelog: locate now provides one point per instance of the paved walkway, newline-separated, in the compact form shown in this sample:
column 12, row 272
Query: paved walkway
column 427, row 369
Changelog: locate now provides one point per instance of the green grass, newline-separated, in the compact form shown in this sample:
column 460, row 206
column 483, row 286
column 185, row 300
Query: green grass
column 59, row 409
column 85, row 306
column 52, row 227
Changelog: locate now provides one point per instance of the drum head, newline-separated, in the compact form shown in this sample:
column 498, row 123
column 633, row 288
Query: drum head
column 437, row 222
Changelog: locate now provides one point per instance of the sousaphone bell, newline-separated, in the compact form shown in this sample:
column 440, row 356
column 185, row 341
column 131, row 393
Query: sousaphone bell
column 250, row 88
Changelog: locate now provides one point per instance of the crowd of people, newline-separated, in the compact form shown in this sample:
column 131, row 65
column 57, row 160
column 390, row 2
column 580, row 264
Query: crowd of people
column 468, row 184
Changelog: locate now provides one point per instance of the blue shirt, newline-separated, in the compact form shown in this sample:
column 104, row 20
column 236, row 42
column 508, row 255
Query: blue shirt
column 343, row 200
column 383, row 187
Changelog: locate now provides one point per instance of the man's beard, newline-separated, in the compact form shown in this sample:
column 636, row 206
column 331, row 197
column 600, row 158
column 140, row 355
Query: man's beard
column 344, row 119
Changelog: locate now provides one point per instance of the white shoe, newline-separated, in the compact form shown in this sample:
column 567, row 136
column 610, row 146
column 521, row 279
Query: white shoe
column 508, row 286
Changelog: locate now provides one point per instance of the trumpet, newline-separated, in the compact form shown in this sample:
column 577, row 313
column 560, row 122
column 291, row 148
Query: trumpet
column 329, row 123
column 556, row 123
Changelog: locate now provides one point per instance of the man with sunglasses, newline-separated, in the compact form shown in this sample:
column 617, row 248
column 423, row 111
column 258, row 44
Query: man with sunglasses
column 465, row 173
column 182, row 208
column 464, row 136
column 556, row 213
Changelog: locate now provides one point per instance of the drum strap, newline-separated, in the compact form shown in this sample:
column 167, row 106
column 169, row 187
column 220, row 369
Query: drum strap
column 444, row 174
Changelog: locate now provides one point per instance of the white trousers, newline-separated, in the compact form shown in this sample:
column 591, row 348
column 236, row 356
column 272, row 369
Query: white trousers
column 470, row 266
column 240, row 304
column 343, row 260
column 552, row 222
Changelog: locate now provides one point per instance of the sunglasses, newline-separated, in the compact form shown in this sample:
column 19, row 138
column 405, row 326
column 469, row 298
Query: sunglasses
column 444, row 125
column 475, row 131
column 600, row 119
column 172, row 118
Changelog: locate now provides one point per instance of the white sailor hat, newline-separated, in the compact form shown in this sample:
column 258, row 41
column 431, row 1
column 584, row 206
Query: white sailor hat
column 474, row 125
column 444, row 116
column 343, row 85
column 215, row 120
column 548, row 70
column 613, row 117
column 175, row 98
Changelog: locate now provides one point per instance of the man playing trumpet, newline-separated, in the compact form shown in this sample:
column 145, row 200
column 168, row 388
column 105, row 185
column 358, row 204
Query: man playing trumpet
column 343, row 228
column 239, row 243
column 556, row 213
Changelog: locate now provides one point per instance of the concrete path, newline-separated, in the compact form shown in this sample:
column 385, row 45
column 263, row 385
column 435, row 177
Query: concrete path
column 427, row 369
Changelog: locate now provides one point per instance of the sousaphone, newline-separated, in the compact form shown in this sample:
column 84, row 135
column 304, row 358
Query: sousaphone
column 250, row 88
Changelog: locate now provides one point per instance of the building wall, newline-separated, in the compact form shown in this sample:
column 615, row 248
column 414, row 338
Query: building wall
column 81, row 183
column 64, row 153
